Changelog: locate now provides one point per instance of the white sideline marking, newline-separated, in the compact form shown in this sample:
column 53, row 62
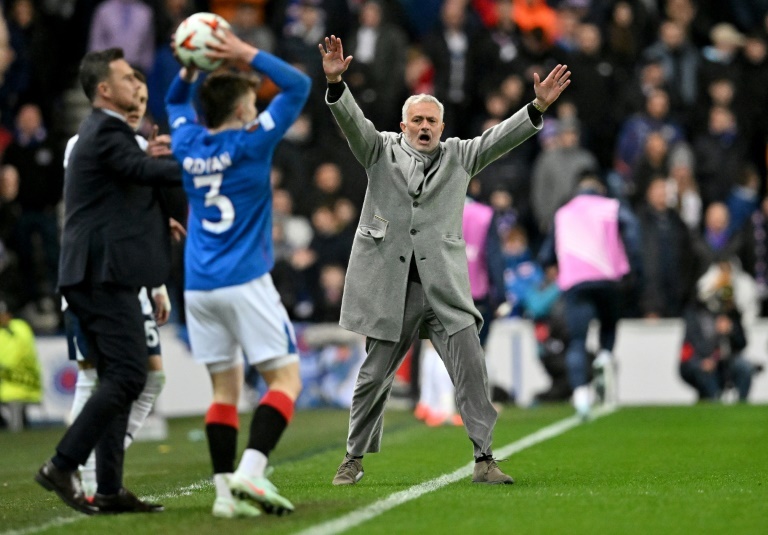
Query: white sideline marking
column 355, row 518
column 64, row 520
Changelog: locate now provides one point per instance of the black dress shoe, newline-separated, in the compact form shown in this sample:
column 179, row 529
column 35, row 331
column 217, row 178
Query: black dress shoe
column 67, row 485
column 124, row 502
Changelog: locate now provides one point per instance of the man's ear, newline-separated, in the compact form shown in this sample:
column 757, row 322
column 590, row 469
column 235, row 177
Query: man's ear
column 237, row 113
column 103, row 89
column 402, row 127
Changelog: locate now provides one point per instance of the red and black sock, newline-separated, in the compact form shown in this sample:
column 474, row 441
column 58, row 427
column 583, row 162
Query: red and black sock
column 221, row 424
column 270, row 419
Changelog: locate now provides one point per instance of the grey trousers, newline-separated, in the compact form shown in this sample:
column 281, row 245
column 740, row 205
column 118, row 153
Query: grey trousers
column 463, row 357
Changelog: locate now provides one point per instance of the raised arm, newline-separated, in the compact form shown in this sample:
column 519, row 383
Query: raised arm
column 294, row 85
column 479, row 152
column 178, row 99
column 362, row 136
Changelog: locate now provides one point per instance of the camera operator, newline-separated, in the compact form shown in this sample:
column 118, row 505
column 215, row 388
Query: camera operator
column 711, row 358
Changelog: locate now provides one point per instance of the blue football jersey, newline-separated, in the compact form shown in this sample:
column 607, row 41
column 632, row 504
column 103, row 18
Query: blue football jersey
column 227, row 180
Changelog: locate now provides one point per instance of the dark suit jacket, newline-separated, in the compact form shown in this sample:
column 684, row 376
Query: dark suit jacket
column 114, row 228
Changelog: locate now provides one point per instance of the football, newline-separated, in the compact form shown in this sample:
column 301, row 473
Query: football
column 191, row 37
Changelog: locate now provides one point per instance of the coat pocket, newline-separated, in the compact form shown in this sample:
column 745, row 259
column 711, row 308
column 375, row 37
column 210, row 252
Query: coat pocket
column 376, row 228
column 453, row 238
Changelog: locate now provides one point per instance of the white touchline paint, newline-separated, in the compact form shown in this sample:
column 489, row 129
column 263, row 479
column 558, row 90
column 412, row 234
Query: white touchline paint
column 64, row 520
column 355, row 518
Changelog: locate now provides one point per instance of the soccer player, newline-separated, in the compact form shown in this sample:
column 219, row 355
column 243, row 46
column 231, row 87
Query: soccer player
column 86, row 375
column 231, row 302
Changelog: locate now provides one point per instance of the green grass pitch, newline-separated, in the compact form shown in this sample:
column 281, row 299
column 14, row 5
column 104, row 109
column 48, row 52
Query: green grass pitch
column 640, row 470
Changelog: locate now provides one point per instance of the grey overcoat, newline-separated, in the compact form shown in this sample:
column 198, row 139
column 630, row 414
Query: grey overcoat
column 395, row 224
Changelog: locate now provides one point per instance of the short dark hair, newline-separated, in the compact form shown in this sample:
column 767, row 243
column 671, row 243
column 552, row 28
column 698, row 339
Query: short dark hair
column 140, row 76
column 94, row 69
column 219, row 95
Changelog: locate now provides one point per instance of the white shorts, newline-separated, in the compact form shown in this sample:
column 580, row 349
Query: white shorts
column 250, row 318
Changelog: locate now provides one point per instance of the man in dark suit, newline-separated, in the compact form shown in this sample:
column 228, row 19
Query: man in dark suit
column 115, row 240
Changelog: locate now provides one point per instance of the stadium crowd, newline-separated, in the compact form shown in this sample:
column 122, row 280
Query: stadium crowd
column 667, row 106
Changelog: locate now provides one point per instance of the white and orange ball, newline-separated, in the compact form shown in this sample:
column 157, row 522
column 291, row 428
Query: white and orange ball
column 191, row 37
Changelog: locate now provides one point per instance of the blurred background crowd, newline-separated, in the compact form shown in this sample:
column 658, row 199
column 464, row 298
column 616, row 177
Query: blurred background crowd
column 668, row 106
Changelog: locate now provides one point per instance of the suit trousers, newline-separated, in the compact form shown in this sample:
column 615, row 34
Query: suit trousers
column 463, row 357
column 113, row 324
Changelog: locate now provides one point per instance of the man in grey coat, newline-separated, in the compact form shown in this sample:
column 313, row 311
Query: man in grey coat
column 408, row 269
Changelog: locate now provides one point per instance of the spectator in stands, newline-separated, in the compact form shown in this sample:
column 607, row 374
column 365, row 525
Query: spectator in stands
column 648, row 76
column 38, row 162
column 288, row 283
column 593, row 97
column 626, row 32
column 719, row 60
column 653, row 162
column 295, row 158
column 6, row 59
column 328, row 294
column 556, row 173
column 532, row 14
column 595, row 243
column 719, row 92
column 685, row 192
column 450, row 49
column 521, row 272
column 22, row 33
column 10, row 279
column 694, row 21
column 327, row 187
column 302, row 35
column 719, row 153
column 377, row 75
column 20, row 374
column 743, row 199
column 248, row 24
column 680, row 61
column 297, row 229
column 126, row 24
column 497, row 51
column 716, row 241
column 329, row 243
column 634, row 131
column 712, row 357
column 667, row 255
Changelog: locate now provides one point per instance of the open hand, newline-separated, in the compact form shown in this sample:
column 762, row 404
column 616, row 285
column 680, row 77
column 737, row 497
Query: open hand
column 548, row 90
column 334, row 62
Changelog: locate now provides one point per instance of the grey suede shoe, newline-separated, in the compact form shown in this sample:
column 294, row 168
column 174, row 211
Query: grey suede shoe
column 488, row 472
column 350, row 472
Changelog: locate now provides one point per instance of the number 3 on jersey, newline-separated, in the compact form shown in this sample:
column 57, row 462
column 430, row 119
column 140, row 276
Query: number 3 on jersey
column 214, row 198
